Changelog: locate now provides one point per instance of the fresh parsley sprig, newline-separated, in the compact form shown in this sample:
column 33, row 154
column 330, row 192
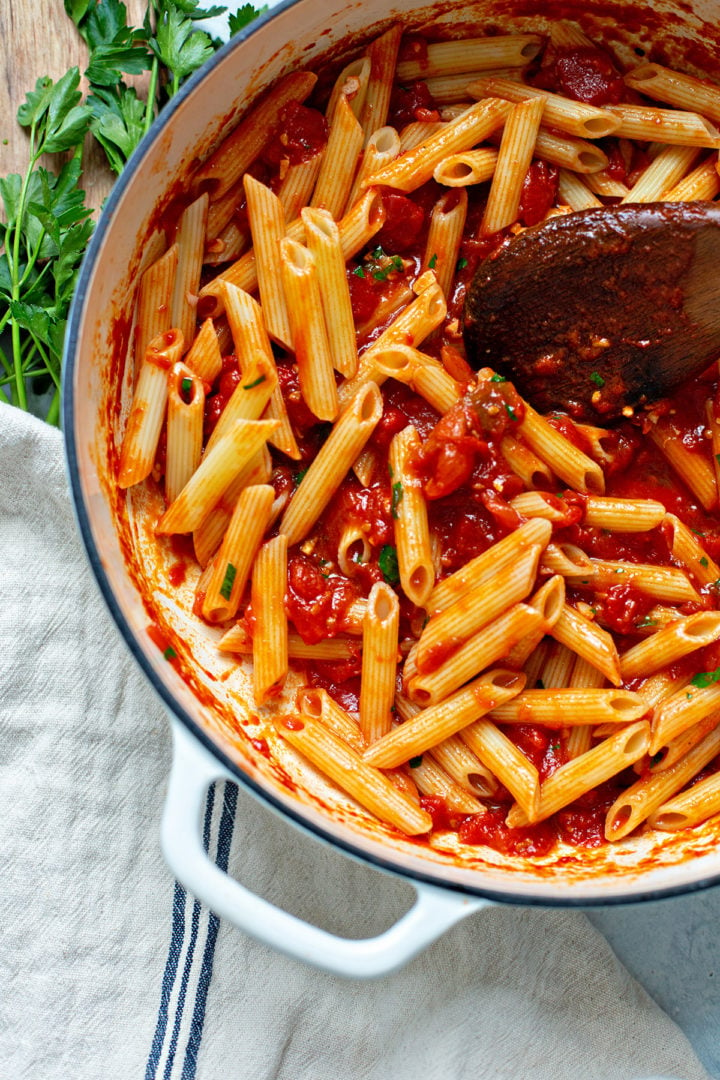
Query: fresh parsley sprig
column 47, row 224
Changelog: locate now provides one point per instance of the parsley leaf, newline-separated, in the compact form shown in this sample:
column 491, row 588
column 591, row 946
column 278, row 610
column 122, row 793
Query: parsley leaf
column 706, row 678
column 388, row 563
column 244, row 16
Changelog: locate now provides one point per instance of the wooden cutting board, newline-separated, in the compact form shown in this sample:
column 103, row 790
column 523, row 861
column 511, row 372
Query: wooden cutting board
column 40, row 39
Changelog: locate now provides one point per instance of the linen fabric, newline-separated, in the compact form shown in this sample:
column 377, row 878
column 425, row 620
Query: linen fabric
column 110, row 969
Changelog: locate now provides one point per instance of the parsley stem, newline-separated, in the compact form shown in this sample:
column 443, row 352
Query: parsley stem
column 53, row 413
column 151, row 94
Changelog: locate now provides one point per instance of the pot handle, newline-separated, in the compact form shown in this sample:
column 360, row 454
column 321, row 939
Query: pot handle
column 193, row 770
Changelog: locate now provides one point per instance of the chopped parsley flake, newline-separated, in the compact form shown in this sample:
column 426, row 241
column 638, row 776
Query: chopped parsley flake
column 433, row 261
column 703, row 561
column 255, row 382
column 498, row 378
column 299, row 476
column 647, row 621
column 461, row 263
column 186, row 386
column 397, row 495
column 228, row 581
column 597, row 378
column 169, row 653
column 510, row 411
column 388, row 563
column 706, row 678
column 359, row 272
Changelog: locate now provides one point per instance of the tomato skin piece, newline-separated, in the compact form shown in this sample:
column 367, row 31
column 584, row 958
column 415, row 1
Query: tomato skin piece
column 404, row 221
column 539, row 192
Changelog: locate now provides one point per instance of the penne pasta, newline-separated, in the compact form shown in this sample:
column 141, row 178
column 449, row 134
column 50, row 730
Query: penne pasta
column 371, row 788
column 432, row 725
column 232, row 564
column 379, row 661
column 412, row 534
column 267, row 596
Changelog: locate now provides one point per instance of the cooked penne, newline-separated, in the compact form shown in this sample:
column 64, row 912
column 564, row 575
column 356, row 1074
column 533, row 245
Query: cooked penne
column 563, row 457
column 357, row 227
column 559, row 708
column 422, row 372
column 238, row 640
column 323, row 241
column 694, row 469
column 317, row 704
column 371, row 788
column 623, row 515
column 270, row 626
column 250, row 338
column 703, row 183
column 514, row 156
column 296, row 189
column 674, row 88
column 476, row 608
column 669, row 644
column 190, row 244
column 671, row 126
column 348, row 436
column 379, row 661
column 489, row 645
column 691, row 807
column 515, row 771
column 185, row 413
column 339, row 163
column 480, row 569
column 686, row 548
column 214, row 475
column 207, row 537
column 147, row 412
column 589, row 641
column 573, row 190
column 532, row 471
column 682, row 710
column 204, row 357
column 587, row 771
column 309, row 336
column 415, row 166
column 662, row 582
column 267, row 225
column 242, row 146
column 412, row 535
column 662, row 174
column 432, row 725
column 382, row 54
column 250, row 397
column 471, row 54
column 561, row 113
column 154, row 302
column 232, row 564
column 469, row 167
column 649, row 793
column 432, row 779
column 447, row 221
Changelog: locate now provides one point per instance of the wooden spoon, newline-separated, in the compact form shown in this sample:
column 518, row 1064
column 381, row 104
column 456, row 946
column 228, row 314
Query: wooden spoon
column 600, row 311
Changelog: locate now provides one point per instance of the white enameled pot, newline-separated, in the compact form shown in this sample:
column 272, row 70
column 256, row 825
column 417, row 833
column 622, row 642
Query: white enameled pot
column 212, row 725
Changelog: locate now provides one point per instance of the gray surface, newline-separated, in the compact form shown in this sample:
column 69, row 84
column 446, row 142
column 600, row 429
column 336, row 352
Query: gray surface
column 672, row 947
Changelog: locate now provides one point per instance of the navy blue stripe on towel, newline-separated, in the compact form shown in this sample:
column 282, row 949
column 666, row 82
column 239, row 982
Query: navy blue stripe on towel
column 189, row 920
column 227, row 822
